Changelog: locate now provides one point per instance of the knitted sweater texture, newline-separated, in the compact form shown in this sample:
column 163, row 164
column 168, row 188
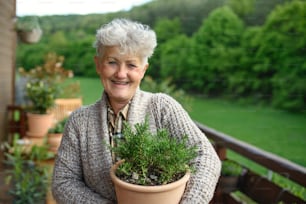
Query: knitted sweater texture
column 83, row 162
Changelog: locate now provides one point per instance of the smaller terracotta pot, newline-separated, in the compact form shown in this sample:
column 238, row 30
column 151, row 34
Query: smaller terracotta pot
column 54, row 141
column 137, row 194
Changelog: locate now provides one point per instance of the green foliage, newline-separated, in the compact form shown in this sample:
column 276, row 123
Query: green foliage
column 241, row 7
column 216, row 51
column 46, row 83
column 152, row 159
column 42, row 96
column 281, row 53
column 174, row 62
column 165, row 29
column 230, row 168
column 206, row 47
column 29, row 180
column 59, row 126
column 27, row 23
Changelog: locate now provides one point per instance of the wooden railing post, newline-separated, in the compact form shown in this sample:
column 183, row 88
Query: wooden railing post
column 221, row 151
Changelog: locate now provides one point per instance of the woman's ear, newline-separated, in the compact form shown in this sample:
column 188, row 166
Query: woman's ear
column 146, row 66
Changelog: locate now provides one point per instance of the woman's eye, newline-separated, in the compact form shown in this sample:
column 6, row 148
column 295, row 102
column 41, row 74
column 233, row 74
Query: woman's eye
column 132, row 66
column 112, row 62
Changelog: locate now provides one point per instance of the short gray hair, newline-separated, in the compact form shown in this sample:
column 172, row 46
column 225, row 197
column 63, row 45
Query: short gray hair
column 132, row 38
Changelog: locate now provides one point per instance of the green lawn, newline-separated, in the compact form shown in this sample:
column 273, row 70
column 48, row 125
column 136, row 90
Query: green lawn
column 275, row 131
column 91, row 89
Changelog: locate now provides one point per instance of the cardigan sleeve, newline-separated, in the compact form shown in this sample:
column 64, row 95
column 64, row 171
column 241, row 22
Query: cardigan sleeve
column 201, row 186
column 68, row 185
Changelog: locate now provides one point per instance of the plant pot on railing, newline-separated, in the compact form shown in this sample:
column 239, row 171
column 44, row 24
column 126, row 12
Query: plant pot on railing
column 230, row 174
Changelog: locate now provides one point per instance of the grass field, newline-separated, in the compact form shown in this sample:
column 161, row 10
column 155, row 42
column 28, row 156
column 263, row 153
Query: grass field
column 275, row 131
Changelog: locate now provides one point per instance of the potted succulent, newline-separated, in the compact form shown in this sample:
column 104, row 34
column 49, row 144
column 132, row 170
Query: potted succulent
column 55, row 135
column 28, row 29
column 230, row 173
column 152, row 168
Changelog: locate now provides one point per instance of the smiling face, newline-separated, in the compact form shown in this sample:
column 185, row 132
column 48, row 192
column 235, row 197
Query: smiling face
column 120, row 75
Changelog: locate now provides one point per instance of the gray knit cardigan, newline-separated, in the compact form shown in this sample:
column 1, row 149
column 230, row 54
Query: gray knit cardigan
column 81, row 171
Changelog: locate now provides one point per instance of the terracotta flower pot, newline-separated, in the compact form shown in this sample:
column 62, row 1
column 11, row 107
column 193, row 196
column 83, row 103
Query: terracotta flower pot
column 136, row 194
column 39, row 124
column 54, row 141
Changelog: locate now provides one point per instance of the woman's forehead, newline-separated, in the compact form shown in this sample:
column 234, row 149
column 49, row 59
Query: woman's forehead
column 116, row 52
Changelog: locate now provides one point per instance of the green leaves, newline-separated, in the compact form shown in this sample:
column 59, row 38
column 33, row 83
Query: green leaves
column 59, row 126
column 28, row 179
column 152, row 159
column 41, row 95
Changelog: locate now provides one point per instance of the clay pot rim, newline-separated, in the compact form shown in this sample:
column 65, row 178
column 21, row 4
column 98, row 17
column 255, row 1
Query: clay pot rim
column 140, row 188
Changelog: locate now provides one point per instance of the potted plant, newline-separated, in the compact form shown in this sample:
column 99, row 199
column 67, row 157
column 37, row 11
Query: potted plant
column 41, row 96
column 43, row 86
column 230, row 173
column 28, row 178
column 152, row 168
column 55, row 135
column 28, row 29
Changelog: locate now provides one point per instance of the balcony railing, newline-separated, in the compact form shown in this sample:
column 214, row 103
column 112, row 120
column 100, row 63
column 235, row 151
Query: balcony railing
column 254, row 186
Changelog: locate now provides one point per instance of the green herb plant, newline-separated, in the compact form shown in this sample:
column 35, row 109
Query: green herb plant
column 152, row 159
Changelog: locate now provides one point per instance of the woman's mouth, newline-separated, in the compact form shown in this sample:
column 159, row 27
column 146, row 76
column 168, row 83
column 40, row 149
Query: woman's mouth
column 120, row 82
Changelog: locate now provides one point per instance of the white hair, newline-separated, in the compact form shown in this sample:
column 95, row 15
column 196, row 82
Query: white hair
column 131, row 37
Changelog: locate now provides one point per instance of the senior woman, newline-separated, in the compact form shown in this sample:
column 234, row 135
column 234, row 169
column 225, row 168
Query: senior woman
column 81, row 172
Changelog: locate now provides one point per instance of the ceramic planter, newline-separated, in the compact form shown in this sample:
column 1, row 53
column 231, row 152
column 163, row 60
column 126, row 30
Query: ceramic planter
column 54, row 141
column 39, row 124
column 136, row 194
column 31, row 36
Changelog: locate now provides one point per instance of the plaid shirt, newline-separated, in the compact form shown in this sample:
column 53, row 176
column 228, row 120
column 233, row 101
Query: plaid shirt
column 115, row 125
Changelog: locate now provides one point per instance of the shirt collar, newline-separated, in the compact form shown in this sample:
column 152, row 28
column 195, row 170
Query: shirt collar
column 123, row 112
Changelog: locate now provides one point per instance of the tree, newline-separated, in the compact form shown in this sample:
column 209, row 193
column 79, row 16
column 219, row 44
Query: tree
column 216, row 51
column 175, row 60
column 282, row 44
column 165, row 29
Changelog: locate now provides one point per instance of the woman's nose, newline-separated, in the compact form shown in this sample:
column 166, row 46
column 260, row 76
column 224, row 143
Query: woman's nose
column 121, row 71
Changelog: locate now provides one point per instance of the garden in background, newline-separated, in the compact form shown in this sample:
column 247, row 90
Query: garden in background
column 246, row 64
